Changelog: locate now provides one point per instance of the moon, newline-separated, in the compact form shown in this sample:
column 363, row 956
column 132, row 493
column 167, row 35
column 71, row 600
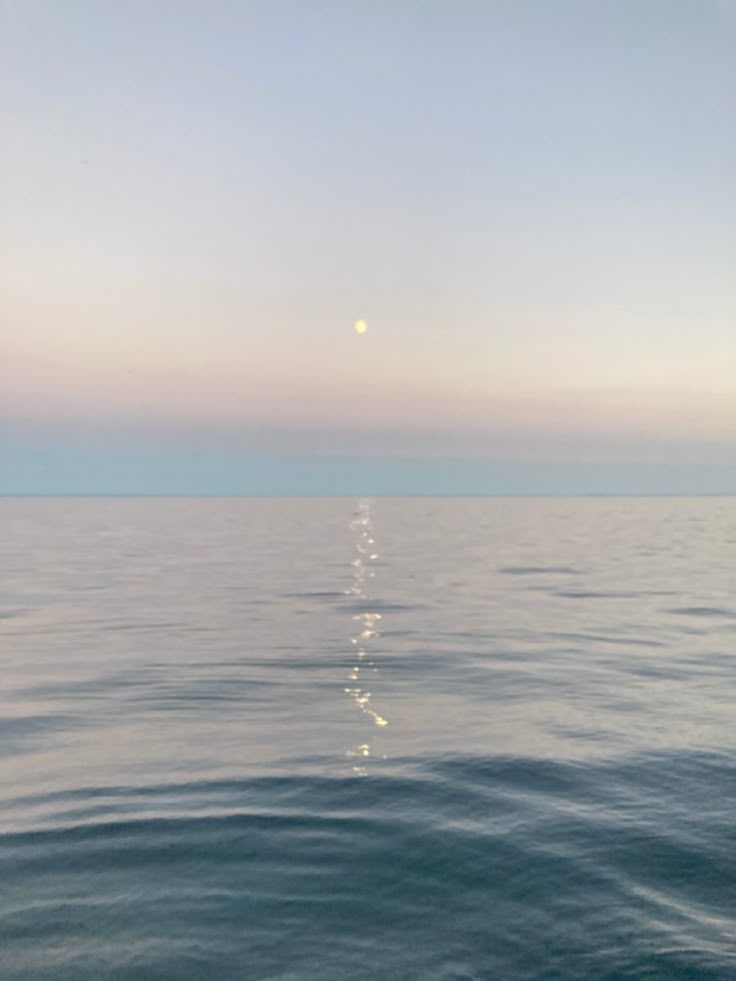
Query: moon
column 361, row 326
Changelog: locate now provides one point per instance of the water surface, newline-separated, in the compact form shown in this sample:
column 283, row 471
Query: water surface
column 302, row 739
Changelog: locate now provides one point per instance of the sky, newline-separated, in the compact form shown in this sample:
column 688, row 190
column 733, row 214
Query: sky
column 531, row 204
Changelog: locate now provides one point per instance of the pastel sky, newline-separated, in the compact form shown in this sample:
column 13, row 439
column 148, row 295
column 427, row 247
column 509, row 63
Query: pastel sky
column 531, row 204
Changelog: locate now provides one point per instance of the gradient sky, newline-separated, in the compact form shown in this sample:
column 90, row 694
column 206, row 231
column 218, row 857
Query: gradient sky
column 532, row 204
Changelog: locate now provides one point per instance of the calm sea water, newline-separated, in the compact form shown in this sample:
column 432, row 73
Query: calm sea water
column 395, row 739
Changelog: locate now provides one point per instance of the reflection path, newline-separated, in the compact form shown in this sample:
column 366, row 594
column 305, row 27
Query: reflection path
column 366, row 620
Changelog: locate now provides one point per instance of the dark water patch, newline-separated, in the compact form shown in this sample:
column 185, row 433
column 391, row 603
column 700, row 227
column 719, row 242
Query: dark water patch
column 182, row 698
column 702, row 611
column 192, row 681
column 617, row 639
column 316, row 595
column 23, row 734
column 12, row 614
column 584, row 735
column 168, row 626
column 93, row 626
column 538, row 570
column 595, row 594
column 382, row 606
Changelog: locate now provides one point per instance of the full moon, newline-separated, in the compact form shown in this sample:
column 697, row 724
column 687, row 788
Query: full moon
column 361, row 326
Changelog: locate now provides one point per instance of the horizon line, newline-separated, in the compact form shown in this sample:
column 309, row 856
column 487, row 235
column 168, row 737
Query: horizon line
column 381, row 494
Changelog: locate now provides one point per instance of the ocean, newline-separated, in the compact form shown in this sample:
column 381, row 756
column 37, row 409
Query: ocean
column 304, row 739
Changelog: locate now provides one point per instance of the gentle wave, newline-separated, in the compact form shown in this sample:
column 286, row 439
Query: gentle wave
column 460, row 854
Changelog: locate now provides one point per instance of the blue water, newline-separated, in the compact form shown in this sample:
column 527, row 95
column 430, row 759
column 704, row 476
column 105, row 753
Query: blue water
column 335, row 739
